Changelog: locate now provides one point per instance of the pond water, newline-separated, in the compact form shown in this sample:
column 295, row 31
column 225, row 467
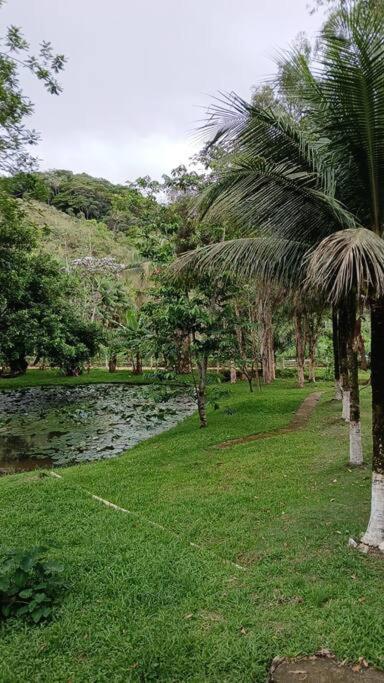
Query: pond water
column 61, row 425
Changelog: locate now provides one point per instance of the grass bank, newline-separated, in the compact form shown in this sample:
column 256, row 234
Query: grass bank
column 143, row 604
column 37, row 378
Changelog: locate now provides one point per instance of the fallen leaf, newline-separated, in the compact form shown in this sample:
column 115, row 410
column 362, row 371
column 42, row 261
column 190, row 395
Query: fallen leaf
column 188, row 616
column 324, row 652
column 363, row 662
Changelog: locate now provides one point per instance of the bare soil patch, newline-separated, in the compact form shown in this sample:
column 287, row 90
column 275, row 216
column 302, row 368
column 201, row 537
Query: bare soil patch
column 323, row 670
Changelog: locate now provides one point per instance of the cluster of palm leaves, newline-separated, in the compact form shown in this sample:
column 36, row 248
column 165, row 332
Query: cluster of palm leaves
column 308, row 190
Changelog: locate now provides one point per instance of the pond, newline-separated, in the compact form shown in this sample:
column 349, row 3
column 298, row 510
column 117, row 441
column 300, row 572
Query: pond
column 61, row 425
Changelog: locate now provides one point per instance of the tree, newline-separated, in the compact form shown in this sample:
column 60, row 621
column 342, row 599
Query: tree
column 15, row 56
column 37, row 314
column 199, row 312
column 71, row 342
column 302, row 182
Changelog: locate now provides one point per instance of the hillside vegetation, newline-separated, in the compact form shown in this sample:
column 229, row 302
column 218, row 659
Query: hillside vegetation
column 67, row 237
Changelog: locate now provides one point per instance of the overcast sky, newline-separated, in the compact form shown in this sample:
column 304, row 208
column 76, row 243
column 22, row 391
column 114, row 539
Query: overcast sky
column 141, row 73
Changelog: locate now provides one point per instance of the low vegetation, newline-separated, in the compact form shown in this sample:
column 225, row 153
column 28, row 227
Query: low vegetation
column 149, row 606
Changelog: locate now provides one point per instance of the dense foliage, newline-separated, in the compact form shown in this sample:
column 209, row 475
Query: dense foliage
column 30, row 583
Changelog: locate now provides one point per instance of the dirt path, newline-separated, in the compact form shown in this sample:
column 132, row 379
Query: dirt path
column 319, row 670
column 299, row 420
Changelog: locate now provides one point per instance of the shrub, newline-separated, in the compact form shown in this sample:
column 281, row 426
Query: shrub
column 29, row 584
column 286, row 373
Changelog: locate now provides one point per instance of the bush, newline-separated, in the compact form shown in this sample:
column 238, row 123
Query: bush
column 29, row 584
column 286, row 373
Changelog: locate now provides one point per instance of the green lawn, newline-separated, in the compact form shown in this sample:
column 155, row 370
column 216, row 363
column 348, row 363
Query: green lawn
column 142, row 604
column 35, row 378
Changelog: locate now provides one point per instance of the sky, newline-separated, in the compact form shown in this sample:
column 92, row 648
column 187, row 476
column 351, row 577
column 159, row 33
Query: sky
column 141, row 74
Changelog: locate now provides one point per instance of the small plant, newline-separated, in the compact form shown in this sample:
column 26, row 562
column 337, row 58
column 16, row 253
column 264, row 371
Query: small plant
column 215, row 396
column 29, row 584
column 229, row 411
column 164, row 375
column 328, row 372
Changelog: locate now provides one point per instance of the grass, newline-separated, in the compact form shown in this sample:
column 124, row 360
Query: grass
column 50, row 377
column 36, row 378
column 142, row 604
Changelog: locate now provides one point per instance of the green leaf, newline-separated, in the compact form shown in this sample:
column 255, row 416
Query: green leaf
column 37, row 615
column 40, row 597
column 27, row 593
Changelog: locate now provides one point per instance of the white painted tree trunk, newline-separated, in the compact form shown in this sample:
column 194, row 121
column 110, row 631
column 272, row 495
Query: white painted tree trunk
column 374, row 535
column 338, row 390
column 355, row 445
column 233, row 373
column 346, row 404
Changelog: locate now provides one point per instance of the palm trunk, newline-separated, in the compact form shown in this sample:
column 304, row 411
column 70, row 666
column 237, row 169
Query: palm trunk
column 267, row 350
column 300, row 348
column 374, row 535
column 355, row 444
column 202, row 368
column 363, row 355
column 312, row 361
column 336, row 355
column 343, row 349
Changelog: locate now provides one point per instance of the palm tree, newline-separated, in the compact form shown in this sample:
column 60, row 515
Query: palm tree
column 299, row 184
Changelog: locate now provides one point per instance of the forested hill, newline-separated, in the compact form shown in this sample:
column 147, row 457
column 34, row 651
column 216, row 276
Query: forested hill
column 84, row 214
column 67, row 237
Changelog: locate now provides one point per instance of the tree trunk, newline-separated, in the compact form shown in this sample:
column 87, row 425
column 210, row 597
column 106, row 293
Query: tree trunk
column 363, row 355
column 248, row 375
column 355, row 445
column 112, row 363
column 72, row 370
column 183, row 361
column 18, row 366
column 267, row 350
column 343, row 350
column 202, row 368
column 137, row 364
column 374, row 535
column 300, row 348
column 336, row 354
column 233, row 373
column 361, row 346
column 312, row 361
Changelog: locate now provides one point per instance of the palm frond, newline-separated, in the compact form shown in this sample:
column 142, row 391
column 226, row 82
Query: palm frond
column 272, row 133
column 347, row 261
column 343, row 95
column 262, row 194
column 260, row 258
